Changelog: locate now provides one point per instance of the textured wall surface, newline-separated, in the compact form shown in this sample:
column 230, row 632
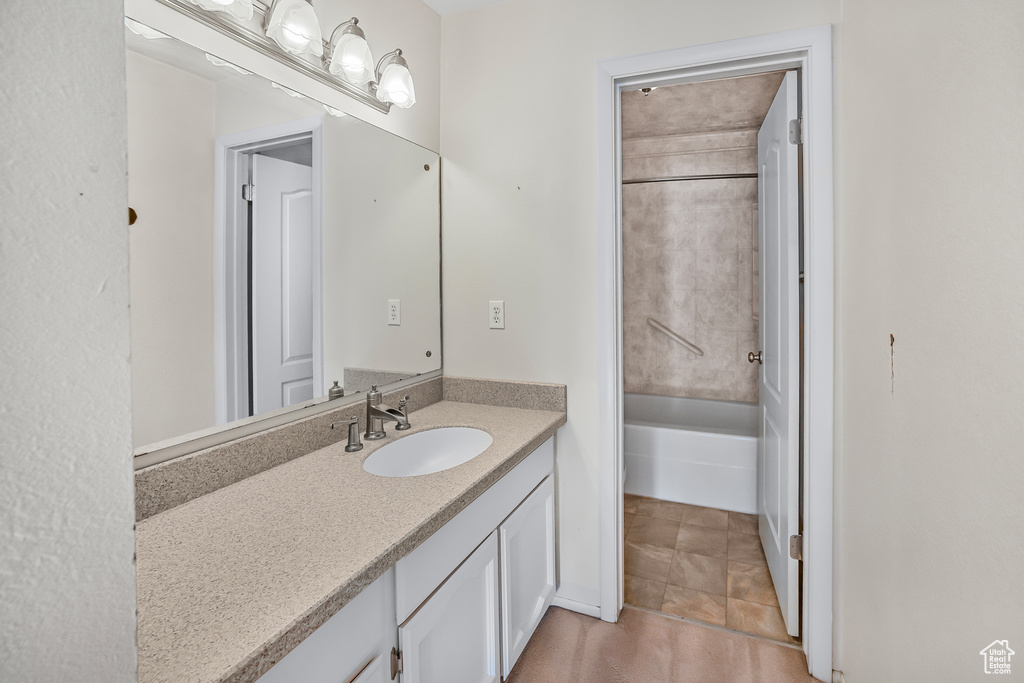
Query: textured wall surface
column 67, row 579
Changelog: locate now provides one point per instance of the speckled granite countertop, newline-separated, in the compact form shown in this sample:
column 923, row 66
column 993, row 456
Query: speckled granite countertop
column 232, row 581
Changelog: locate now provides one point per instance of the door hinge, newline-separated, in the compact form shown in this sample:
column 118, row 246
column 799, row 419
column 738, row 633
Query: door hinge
column 396, row 662
column 796, row 547
column 248, row 192
column 796, row 131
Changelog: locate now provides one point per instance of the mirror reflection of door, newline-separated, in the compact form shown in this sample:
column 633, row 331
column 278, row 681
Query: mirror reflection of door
column 281, row 279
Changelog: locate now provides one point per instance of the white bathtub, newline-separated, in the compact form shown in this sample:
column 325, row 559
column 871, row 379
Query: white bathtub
column 691, row 450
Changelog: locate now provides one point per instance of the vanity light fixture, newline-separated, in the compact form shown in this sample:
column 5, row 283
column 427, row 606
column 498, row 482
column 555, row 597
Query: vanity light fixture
column 239, row 9
column 394, row 82
column 349, row 54
column 294, row 26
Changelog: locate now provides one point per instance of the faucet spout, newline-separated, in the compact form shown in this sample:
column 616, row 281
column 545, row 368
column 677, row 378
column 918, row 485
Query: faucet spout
column 378, row 413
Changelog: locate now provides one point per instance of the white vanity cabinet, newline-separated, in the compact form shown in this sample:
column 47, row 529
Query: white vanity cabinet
column 353, row 646
column 459, row 608
column 527, row 548
column 470, row 596
column 453, row 636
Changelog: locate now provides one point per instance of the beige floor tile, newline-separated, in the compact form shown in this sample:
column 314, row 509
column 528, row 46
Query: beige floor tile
column 703, row 540
column 694, row 604
column 647, row 561
column 645, row 647
column 661, row 509
column 746, row 548
column 751, row 582
column 693, row 514
column 760, row 620
column 742, row 524
column 706, row 574
column 642, row 592
column 653, row 531
column 630, row 502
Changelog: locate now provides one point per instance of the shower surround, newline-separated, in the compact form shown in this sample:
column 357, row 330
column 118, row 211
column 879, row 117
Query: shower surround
column 689, row 248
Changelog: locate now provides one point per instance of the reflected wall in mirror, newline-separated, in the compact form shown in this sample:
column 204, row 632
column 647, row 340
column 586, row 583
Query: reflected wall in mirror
column 271, row 242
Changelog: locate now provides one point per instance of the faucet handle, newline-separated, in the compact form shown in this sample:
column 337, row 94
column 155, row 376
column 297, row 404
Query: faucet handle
column 354, row 444
column 403, row 401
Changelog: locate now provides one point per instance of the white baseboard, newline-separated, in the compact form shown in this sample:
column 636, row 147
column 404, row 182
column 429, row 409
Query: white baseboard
column 576, row 606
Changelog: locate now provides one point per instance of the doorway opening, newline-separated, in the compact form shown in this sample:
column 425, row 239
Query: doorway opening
column 805, row 52
column 269, row 353
column 691, row 304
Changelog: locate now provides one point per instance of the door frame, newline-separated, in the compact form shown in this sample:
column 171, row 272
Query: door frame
column 809, row 50
column 230, row 253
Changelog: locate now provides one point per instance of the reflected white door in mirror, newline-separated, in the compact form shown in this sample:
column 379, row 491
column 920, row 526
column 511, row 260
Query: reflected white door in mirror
column 237, row 326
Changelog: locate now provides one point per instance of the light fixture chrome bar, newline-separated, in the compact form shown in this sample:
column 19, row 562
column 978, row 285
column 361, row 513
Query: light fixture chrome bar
column 672, row 179
column 260, row 43
column 675, row 337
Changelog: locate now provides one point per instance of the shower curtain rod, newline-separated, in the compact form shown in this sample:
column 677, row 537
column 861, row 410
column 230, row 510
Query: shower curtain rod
column 670, row 179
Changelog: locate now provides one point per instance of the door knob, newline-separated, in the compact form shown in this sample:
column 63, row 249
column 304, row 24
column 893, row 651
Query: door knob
column 751, row 357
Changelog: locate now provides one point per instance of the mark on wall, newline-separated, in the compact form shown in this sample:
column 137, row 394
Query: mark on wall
column 892, row 364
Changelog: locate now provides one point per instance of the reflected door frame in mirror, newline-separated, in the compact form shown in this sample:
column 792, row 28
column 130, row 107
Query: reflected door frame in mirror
column 233, row 352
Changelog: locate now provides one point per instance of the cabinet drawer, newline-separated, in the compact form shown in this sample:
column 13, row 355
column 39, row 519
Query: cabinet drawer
column 421, row 571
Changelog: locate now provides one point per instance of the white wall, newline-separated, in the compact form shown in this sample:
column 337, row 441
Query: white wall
column 170, row 171
column 67, row 579
column 930, row 472
column 518, row 135
column 929, row 167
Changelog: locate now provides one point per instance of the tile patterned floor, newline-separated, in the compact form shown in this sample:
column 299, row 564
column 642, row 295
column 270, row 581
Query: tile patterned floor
column 700, row 563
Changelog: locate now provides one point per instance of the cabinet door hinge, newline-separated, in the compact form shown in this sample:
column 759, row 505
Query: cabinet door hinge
column 796, row 131
column 248, row 192
column 796, row 547
column 396, row 662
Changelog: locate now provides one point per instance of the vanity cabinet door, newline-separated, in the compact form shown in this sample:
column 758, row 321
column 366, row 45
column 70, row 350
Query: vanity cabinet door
column 356, row 640
column 527, row 540
column 453, row 636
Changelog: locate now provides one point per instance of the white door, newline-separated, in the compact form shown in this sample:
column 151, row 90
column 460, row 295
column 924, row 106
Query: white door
column 453, row 636
column 282, row 284
column 778, row 449
column 527, row 570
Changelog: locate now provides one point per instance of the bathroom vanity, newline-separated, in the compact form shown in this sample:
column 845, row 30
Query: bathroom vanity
column 318, row 570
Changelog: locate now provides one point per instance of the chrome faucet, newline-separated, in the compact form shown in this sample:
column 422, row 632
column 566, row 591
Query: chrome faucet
column 378, row 413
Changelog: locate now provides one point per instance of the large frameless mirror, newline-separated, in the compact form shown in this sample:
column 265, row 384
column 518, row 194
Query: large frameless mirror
column 280, row 246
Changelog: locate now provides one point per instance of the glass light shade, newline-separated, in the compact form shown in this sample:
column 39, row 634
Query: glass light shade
column 294, row 26
column 239, row 9
column 351, row 58
column 334, row 112
column 395, row 84
column 143, row 30
column 217, row 61
column 288, row 91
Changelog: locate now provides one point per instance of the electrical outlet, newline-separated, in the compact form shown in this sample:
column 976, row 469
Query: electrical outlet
column 394, row 312
column 496, row 314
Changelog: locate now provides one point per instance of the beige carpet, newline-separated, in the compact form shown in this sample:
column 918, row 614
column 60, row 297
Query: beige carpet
column 648, row 648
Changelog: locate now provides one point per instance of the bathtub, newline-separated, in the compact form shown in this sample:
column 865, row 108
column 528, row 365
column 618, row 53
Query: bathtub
column 691, row 450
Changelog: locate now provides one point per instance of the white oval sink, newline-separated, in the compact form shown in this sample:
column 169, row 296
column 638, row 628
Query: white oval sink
column 427, row 452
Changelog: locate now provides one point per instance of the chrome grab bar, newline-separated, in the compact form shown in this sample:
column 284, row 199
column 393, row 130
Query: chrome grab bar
column 674, row 337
